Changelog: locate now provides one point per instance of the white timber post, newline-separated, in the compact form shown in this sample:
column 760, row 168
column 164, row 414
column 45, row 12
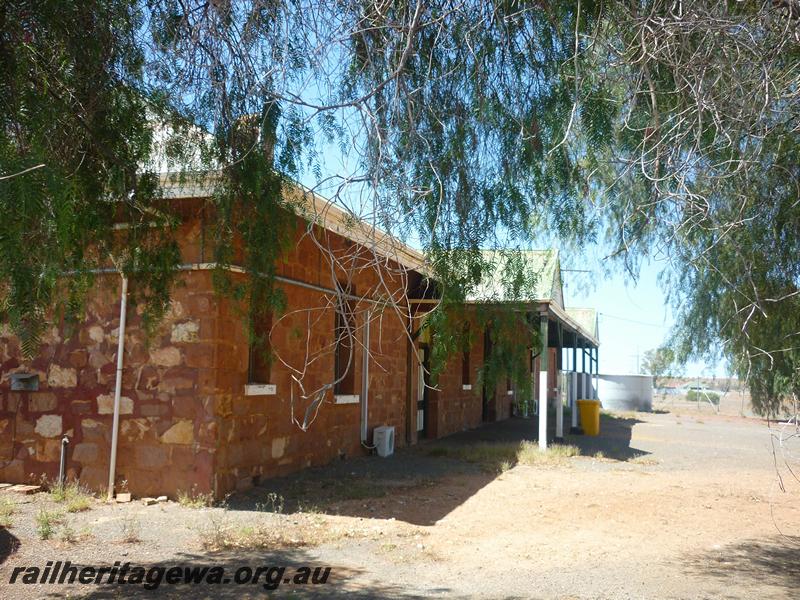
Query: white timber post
column 574, row 383
column 596, row 372
column 558, row 382
column 543, row 383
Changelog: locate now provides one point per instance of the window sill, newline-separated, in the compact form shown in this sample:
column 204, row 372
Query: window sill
column 260, row 389
column 466, row 387
column 346, row 398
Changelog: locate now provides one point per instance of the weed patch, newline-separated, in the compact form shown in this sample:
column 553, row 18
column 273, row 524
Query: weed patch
column 7, row 510
column 194, row 499
column 46, row 522
column 499, row 457
column 76, row 497
column 129, row 528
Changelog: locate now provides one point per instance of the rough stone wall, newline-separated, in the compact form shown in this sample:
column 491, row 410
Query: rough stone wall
column 258, row 438
column 166, row 430
column 453, row 408
column 185, row 421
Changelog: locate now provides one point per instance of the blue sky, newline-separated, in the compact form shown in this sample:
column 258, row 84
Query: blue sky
column 634, row 316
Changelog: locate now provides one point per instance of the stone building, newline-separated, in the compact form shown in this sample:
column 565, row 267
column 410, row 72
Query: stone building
column 197, row 412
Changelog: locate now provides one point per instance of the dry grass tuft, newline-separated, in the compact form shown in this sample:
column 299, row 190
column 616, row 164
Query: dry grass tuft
column 643, row 459
column 76, row 497
column 281, row 531
column 194, row 499
column 129, row 529
column 7, row 509
column 499, row 457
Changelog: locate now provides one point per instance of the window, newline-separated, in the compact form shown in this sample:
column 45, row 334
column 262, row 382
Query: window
column 344, row 358
column 465, row 366
column 260, row 360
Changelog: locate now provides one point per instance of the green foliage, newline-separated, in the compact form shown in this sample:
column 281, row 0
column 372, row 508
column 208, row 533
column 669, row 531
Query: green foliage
column 702, row 396
column 741, row 302
column 472, row 153
column 459, row 119
column 659, row 362
column 702, row 170
column 74, row 132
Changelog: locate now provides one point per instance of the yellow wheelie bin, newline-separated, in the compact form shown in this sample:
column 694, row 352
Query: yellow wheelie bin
column 590, row 416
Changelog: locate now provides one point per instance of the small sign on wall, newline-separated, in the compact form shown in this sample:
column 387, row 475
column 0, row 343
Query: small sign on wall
column 346, row 399
column 260, row 389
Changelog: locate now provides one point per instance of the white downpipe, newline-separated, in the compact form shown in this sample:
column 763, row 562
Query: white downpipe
column 365, row 384
column 112, row 467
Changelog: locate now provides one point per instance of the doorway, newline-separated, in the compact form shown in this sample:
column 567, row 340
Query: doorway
column 423, row 390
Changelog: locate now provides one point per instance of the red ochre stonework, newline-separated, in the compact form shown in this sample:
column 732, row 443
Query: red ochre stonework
column 185, row 422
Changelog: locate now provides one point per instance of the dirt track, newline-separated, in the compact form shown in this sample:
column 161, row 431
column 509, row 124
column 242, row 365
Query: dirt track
column 680, row 505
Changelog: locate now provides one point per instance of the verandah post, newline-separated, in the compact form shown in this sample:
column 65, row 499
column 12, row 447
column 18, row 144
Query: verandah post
column 543, row 384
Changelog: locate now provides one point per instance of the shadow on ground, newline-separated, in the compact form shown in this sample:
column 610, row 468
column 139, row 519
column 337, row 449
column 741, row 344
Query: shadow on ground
column 399, row 487
column 341, row 582
column 771, row 560
column 407, row 486
column 8, row 544
column 614, row 440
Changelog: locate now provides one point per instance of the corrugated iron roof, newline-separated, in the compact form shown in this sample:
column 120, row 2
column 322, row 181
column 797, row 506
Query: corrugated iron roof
column 586, row 318
column 520, row 276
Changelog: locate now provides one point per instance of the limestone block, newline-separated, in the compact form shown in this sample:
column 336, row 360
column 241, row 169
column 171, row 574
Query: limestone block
column 278, row 447
column 42, row 402
column 49, row 426
column 182, row 432
column 166, row 357
column 62, row 376
column 185, row 332
column 105, row 405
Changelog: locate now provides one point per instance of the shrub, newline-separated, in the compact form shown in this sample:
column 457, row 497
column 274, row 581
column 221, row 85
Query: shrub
column 702, row 396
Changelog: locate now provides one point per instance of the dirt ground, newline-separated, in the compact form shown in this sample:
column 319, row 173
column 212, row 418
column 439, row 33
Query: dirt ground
column 680, row 504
